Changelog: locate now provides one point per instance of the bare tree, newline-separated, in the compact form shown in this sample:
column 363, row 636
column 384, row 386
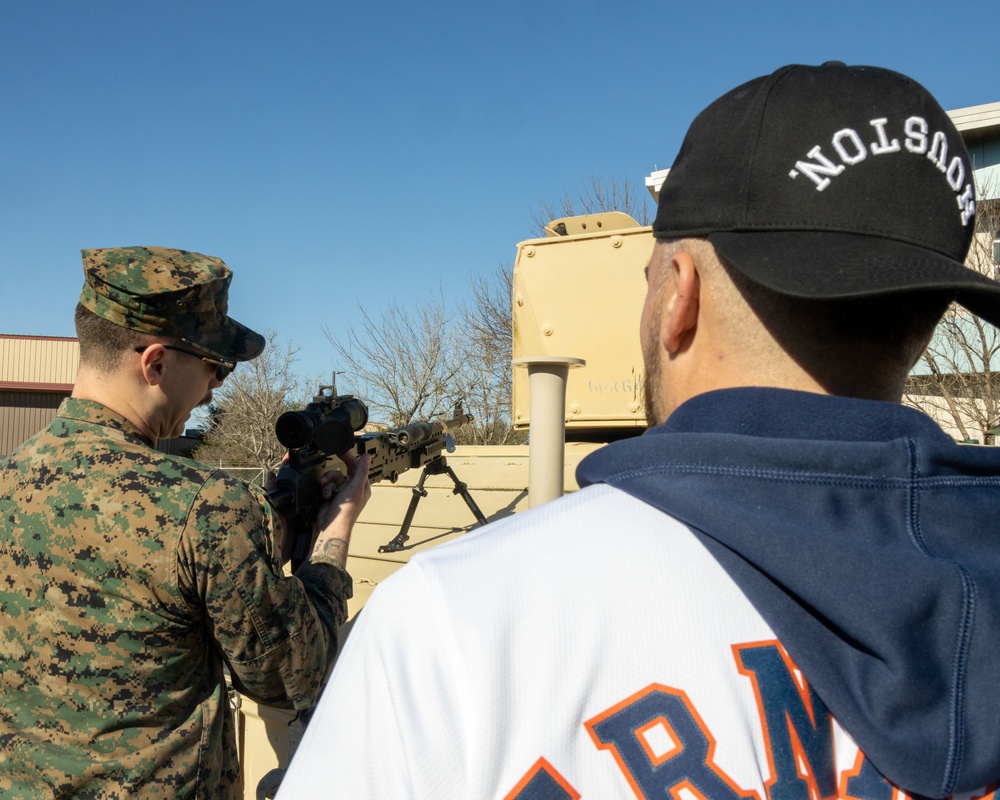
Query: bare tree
column 957, row 380
column 487, row 330
column 594, row 196
column 486, row 348
column 405, row 364
column 411, row 362
column 242, row 415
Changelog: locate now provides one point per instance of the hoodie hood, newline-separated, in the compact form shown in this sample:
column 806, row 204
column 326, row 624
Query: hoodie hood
column 868, row 541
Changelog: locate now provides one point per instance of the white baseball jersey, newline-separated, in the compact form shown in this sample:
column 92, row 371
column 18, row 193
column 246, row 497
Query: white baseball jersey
column 590, row 648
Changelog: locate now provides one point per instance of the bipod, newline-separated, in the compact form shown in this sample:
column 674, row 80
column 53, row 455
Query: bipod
column 438, row 466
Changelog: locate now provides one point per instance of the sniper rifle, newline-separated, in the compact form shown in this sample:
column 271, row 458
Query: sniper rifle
column 327, row 427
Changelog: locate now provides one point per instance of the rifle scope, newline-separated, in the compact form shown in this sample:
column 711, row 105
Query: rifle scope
column 328, row 424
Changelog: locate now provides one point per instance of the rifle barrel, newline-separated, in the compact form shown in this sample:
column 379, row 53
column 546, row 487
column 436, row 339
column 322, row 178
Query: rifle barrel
column 418, row 432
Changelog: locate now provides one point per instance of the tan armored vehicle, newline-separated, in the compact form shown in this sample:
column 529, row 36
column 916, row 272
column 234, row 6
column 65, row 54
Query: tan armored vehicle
column 577, row 383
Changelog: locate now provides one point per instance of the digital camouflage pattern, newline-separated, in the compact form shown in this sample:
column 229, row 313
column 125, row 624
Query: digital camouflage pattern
column 128, row 579
column 168, row 292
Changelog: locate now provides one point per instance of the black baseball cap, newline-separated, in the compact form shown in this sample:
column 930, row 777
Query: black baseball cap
column 831, row 182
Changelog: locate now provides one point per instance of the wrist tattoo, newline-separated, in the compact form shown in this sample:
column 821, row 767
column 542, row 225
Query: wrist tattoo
column 334, row 548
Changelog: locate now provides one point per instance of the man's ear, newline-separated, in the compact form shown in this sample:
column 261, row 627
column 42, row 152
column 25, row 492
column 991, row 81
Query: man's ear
column 682, row 302
column 152, row 361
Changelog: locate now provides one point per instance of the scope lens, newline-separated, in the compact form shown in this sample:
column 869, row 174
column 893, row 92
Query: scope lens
column 331, row 431
column 294, row 429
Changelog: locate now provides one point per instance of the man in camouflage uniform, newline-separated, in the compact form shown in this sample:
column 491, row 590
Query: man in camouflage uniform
column 129, row 579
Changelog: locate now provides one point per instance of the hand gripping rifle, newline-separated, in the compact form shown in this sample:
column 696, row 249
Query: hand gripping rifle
column 314, row 435
column 327, row 427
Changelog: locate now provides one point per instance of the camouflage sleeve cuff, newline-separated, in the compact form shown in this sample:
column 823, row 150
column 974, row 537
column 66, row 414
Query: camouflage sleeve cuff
column 329, row 583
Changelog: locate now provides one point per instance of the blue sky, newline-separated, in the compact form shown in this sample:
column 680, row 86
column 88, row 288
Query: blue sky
column 335, row 154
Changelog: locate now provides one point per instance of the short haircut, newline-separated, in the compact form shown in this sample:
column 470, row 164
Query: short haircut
column 843, row 343
column 102, row 343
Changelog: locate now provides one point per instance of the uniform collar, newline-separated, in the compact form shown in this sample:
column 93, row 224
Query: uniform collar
column 94, row 413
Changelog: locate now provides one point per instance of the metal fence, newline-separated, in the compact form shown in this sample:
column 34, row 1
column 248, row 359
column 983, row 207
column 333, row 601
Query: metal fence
column 248, row 474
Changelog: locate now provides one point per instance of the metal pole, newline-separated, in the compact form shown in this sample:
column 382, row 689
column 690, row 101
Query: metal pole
column 547, row 435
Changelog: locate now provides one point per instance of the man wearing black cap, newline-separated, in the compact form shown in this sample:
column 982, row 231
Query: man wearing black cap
column 130, row 578
column 788, row 587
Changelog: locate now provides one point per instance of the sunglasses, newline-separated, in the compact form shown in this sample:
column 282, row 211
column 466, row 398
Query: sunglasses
column 223, row 369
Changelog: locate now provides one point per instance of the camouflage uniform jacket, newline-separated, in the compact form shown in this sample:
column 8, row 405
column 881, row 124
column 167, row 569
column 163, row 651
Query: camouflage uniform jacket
column 128, row 579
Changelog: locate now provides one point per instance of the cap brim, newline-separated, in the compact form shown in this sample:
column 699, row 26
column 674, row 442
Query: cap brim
column 234, row 342
column 246, row 344
column 844, row 266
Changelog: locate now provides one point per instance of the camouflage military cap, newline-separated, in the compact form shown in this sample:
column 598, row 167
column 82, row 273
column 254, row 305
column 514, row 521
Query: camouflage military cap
column 168, row 292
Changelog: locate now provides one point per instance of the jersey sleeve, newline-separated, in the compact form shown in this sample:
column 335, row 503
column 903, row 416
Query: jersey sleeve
column 391, row 721
column 277, row 633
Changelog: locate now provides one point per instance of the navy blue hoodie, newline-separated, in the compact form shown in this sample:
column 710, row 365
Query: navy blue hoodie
column 869, row 541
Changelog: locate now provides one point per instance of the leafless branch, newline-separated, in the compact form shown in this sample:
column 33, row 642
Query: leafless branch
column 956, row 381
column 595, row 195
